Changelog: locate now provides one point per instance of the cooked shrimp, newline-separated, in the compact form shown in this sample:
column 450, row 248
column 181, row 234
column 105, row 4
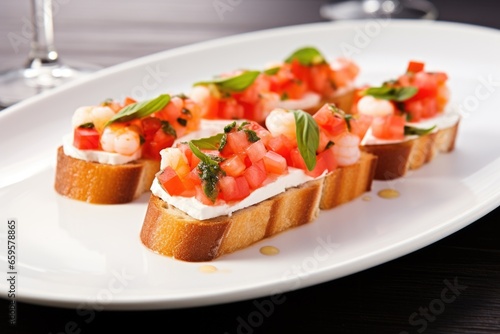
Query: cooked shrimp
column 371, row 106
column 346, row 149
column 281, row 122
column 97, row 115
column 173, row 157
column 81, row 116
column 100, row 115
column 123, row 140
column 203, row 97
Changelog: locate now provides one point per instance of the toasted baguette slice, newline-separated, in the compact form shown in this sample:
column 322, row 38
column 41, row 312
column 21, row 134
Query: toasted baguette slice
column 396, row 159
column 171, row 232
column 347, row 183
column 101, row 183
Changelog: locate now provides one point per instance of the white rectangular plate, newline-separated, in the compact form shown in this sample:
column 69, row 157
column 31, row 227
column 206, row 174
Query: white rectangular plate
column 71, row 253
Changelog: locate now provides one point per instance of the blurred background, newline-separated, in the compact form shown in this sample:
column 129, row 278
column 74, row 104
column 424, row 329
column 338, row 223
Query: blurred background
column 109, row 32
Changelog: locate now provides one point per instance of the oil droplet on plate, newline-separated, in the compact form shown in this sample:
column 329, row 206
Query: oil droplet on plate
column 208, row 269
column 366, row 198
column 269, row 250
column 388, row 193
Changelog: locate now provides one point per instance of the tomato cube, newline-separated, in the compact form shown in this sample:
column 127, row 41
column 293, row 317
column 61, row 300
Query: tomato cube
column 234, row 188
column 237, row 141
column 256, row 151
column 415, row 66
column 170, row 181
column 234, row 166
column 282, row 145
column 275, row 163
column 296, row 159
column 255, row 176
column 202, row 197
column 389, row 127
column 86, row 138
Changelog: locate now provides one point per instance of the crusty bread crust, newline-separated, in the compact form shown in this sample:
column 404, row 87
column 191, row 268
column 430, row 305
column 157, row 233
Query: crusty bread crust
column 396, row 159
column 171, row 232
column 100, row 183
column 347, row 183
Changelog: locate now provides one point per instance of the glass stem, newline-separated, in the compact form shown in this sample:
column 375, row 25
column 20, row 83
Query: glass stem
column 42, row 51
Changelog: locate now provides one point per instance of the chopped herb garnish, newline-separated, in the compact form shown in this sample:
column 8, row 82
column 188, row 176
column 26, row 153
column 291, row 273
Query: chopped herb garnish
column 209, row 172
column 284, row 96
column 185, row 111
column 229, row 127
column 168, row 128
column 89, row 125
column 107, row 102
column 251, row 135
column 182, row 121
column 342, row 114
column 329, row 144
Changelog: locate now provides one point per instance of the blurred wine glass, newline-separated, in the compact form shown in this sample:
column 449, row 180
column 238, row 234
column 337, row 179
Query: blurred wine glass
column 365, row 9
column 43, row 69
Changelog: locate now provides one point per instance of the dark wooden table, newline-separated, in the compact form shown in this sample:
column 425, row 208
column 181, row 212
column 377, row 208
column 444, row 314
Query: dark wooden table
column 452, row 286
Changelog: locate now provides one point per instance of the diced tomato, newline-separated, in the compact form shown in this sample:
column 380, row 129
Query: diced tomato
column 329, row 158
column 230, row 109
column 256, row 151
column 415, row 66
column 319, row 79
column 344, row 71
column 86, row 138
column 274, row 163
column 318, row 169
column 160, row 141
column 360, row 125
column 282, row 145
column 237, row 141
column 194, row 176
column 326, row 119
column 170, row 181
column 202, row 197
column 149, row 127
column 415, row 110
column 233, row 188
column 294, row 89
column 234, row 166
column 261, row 132
column 255, row 176
column 389, row 127
column 296, row 159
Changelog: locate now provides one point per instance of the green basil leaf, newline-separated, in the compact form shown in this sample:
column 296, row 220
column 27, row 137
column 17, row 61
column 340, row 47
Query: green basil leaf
column 392, row 93
column 307, row 56
column 140, row 109
column 235, row 83
column 411, row 130
column 307, row 132
column 210, row 143
column 272, row 70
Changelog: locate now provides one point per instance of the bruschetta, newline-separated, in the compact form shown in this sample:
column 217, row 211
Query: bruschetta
column 409, row 120
column 113, row 152
column 304, row 80
column 219, row 194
